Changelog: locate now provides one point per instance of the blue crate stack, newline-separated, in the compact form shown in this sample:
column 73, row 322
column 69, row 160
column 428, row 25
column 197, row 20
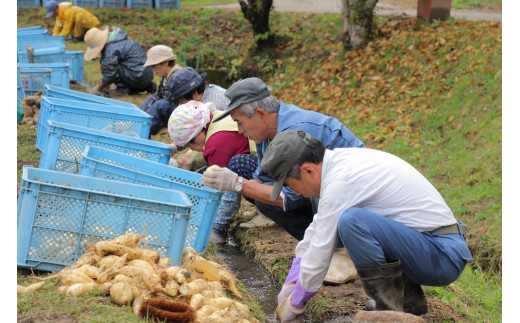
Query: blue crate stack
column 108, row 164
column 59, row 213
column 59, row 92
column 126, row 121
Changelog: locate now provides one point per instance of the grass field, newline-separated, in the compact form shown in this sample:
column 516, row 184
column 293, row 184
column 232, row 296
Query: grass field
column 430, row 93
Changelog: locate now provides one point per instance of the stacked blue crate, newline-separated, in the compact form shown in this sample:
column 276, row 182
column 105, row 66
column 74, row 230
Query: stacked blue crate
column 44, row 55
column 75, row 60
column 108, row 164
column 21, row 92
column 85, row 3
column 59, row 213
column 126, row 121
column 65, row 143
column 38, row 41
column 166, row 4
column 139, row 3
column 112, row 3
column 35, row 76
column 28, row 3
column 59, row 92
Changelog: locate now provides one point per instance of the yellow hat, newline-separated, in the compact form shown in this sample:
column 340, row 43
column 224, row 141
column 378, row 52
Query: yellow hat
column 96, row 40
column 159, row 54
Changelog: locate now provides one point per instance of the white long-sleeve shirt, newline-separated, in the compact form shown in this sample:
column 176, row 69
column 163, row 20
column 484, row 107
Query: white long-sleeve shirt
column 372, row 180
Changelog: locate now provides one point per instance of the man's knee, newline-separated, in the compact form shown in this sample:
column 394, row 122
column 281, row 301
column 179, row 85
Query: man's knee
column 350, row 218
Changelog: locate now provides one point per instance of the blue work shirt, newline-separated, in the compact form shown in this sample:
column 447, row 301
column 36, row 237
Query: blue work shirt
column 328, row 130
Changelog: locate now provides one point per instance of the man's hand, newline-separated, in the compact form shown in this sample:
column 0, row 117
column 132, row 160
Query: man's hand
column 220, row 178
column 286, row 290
column 288, row 313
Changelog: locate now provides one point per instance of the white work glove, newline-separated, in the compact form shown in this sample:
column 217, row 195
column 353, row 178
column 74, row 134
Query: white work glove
column 286, row 290
column 95, row 90
column 288, row 313
column 219, row 178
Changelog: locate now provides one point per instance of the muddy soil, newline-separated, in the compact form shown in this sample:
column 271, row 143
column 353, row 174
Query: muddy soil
column 273, row 249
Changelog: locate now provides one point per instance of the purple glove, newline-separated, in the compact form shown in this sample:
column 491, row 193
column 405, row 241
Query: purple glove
column 286, row 290
column 288, row 313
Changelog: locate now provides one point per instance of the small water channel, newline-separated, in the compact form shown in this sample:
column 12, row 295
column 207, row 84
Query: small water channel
column 256, row 279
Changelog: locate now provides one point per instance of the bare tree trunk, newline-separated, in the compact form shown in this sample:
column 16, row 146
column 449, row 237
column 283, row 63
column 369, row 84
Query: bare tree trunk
column 357, row 22
column 257, row 12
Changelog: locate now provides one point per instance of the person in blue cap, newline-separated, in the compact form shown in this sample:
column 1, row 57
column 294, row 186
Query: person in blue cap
column 187, row 84
column 396, row 227
column 71, row 21
column 260, row 116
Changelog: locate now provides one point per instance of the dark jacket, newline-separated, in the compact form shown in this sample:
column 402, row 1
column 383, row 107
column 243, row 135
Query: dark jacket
column 122, row 60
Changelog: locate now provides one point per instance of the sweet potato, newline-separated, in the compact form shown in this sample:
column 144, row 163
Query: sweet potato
column 89, row 270
column 80, row 288
column 229, row 280
column 129, row 239
column 121, row 293
column 170, row 272
column 197, row 301
column 194, row 287
column 164, row 262
column 172, row 288
column 212, row 293
column 183, row 275
column 108, row 273
column 31, row 288
column 72, row 277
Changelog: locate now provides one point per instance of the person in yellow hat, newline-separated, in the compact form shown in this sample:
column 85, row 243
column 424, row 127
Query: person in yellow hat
column 122, row 61
column 71, row 20
column 161, row 104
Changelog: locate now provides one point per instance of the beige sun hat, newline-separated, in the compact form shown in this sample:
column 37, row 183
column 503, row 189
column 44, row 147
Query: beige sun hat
column 159, row 54
column 96, row 40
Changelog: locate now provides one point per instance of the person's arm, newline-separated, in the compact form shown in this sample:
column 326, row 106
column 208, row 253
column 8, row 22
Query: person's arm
column 68, row 22
column 259, row 192
column 57, row 27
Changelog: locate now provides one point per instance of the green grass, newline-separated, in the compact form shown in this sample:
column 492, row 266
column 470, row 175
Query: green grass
column 427, row 92
column 189, row 3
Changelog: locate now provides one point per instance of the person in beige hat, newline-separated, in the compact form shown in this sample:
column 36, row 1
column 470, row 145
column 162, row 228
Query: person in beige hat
column 161, row 104
column 121, row 59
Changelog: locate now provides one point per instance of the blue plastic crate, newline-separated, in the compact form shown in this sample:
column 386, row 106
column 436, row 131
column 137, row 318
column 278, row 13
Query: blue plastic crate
column 139, row 3
column 163, row 4
column 44, row 55
column 59, row 213
column 39, row 41
column 125, row 121
column 75, row 60
column 21, row 92
column 85, row 3
column 66, row 142
column 108, row 164
column 32, row 31
column 112, row 3
column 29, row 28
column 59, row 92
column 29, row 3
column 35, row 76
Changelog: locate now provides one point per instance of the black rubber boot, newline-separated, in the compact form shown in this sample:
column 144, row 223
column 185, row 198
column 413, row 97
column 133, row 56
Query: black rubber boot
column 414, row 299
column 384, row 284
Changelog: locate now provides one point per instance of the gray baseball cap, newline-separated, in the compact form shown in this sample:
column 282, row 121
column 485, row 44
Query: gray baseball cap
column 244, row 91
column 282, row 154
